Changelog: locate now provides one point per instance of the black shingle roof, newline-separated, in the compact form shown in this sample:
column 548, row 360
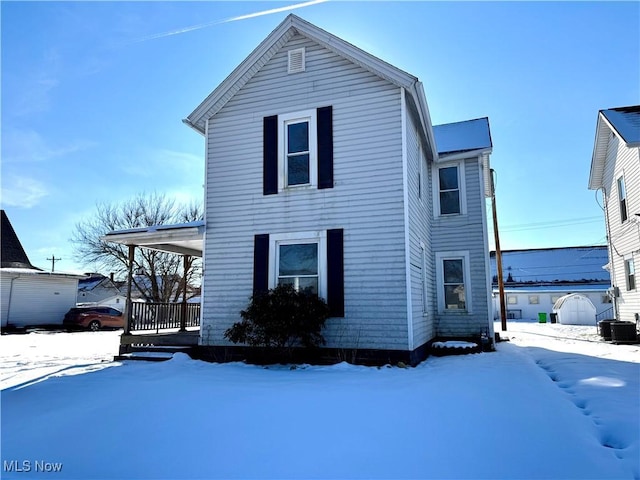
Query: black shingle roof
column 12, row 254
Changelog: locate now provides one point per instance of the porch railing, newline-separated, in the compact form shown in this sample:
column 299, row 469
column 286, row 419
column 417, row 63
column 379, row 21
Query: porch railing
column 157, row 316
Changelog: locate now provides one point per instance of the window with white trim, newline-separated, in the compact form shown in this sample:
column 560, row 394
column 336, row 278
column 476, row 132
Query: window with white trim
column 449, row 190
column 512, row 299
column 630, row 273
column 622, row 200
column 299, row 259
column 453, row 276
column 534, row 300
column 423, row 255
column 297, row 147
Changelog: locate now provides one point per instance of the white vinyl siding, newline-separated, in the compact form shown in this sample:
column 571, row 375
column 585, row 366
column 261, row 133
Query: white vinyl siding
column 466, row 233
column 623, row 162
column 366, row 200
column 420, row 262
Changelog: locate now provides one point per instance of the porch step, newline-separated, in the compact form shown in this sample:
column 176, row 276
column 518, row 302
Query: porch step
column 146, row 356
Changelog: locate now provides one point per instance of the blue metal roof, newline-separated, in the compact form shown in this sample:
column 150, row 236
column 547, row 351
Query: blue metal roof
column 463, row 136
column 626, row 122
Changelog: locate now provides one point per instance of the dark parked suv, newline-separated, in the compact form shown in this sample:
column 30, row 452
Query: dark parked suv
column 93, row 318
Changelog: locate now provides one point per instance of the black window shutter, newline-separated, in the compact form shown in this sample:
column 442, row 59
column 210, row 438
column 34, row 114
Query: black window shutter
column 325, row 147
column 270, row 155
column 335, row 272
column 260, row 263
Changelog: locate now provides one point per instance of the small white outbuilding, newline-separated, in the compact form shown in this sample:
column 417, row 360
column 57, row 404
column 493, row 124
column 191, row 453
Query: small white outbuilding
column 575, row 309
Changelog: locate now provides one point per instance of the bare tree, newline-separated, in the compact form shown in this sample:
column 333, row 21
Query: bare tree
column 158, row 275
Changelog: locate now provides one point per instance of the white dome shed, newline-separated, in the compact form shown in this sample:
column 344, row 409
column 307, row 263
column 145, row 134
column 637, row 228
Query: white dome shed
column 575, row 309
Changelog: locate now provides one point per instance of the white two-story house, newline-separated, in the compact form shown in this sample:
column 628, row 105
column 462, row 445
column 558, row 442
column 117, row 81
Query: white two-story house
column 615, row 169
column 323, row 170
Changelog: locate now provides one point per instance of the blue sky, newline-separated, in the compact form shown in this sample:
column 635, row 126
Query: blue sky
column 93, row 95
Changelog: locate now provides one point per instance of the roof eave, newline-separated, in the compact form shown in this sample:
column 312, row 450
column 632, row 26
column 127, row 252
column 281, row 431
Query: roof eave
column 599, row 154
column 449, row 157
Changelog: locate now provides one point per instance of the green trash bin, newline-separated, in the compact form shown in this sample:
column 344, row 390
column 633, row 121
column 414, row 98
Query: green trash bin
column 542, row 318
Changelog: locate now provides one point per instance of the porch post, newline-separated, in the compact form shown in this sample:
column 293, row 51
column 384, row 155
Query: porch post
column 127, row 310
column 183, row 317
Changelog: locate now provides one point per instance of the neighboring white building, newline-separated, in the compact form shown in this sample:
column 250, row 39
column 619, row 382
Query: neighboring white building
column 323, row 169
column 536, row 278
column 96, row 288
column 615, row 170
column 30, row 296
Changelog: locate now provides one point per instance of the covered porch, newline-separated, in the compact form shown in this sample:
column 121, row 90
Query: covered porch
column 153, row 326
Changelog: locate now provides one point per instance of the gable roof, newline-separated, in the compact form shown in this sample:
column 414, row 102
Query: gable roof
column 277, row 39
column 12, row 254
column 624, row 122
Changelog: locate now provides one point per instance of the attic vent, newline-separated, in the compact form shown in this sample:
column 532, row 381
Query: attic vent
column 296, row 60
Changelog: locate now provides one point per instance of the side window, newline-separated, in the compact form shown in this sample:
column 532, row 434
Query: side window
column 449, row 190
column 453, row 279
column 512, row 299
column 630, row 273
column 423, row 279
column 622, row 199
column 534, row 300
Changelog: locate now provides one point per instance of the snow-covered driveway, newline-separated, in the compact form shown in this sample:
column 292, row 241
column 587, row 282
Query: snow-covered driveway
column 538, row 408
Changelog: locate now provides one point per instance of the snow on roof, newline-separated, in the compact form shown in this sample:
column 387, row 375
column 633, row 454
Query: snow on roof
column 463, row 136
column 573, row 288
column 552, row 265
column 626, row 122
column 156, row 228
column 32, row 271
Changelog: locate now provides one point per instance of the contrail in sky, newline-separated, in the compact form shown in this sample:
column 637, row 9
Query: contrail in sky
column 232, row 19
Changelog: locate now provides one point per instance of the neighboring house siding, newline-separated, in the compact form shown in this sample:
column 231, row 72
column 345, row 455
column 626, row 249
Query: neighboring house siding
column 97, row 294
column 624, row 236
column 465, row 233
column 366, row 200
column 6, row 281
column 41, row 300
column 420, row 204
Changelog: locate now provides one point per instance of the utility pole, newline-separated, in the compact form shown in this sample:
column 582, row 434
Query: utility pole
column 53, row 260
column 503, row 308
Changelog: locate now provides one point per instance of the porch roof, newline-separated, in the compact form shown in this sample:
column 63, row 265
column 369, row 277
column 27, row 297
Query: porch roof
column 182, row 238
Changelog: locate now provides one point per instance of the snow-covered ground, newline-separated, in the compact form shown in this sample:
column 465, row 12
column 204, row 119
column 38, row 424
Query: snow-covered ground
column 553, row 402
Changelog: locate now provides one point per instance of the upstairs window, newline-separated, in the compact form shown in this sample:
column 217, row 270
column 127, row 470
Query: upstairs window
column 449, row 190
column 622, row 199
column 298, row 151
column 297, row 169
